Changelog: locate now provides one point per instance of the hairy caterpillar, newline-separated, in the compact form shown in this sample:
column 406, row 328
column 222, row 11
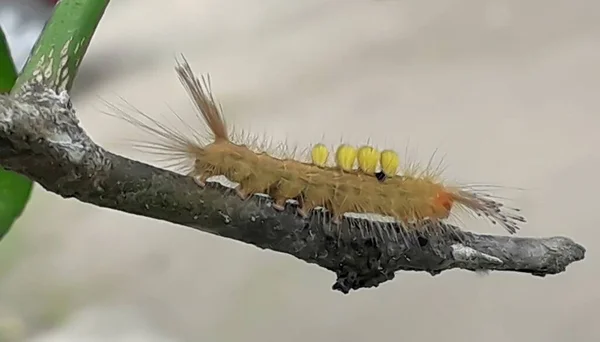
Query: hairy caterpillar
column 358, row 180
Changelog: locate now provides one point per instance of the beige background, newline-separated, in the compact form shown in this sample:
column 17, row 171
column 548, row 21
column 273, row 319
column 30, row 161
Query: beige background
column 506, row 90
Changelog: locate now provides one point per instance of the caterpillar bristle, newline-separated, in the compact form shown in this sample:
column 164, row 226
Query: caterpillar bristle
column 319, row 155
column 368, row 159
column 345, row 157
column 390, row 162
column 362, row 180
column 202, row 98
column 493, row 210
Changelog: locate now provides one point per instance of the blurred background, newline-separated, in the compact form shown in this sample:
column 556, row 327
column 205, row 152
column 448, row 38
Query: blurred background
column 506, row 90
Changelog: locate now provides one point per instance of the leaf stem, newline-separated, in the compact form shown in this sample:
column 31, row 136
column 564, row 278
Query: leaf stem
column 59, row 50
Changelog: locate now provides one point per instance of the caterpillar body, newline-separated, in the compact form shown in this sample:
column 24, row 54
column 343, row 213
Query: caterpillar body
column 359, row 180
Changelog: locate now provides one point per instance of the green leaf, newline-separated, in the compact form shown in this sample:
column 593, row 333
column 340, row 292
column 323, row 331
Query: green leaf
column 15, row 189
column 8, row 72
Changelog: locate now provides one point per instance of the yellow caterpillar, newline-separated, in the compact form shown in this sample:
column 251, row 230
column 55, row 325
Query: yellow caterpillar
column 360, row 180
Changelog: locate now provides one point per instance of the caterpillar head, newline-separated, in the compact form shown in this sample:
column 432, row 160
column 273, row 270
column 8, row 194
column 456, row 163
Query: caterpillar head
column 442, row 203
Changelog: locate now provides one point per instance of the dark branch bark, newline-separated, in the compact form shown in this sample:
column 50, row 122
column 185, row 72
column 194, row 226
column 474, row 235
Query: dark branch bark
column 40, row 137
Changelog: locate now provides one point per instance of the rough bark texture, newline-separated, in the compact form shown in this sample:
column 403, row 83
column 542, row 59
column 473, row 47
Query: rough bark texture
column 40, row 137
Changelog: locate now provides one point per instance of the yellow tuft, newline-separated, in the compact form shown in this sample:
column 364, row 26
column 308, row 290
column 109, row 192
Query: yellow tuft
column 345, row 157
column 319, row 155
column 368, row 159
column 389, row 162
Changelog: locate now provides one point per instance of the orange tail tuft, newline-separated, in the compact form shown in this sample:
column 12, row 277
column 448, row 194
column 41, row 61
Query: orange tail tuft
column 203, row 99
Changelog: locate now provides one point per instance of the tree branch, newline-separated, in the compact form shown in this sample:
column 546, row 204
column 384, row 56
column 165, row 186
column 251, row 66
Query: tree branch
column 40, row 137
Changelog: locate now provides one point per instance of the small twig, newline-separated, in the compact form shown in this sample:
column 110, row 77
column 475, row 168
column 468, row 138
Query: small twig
column 40, row 137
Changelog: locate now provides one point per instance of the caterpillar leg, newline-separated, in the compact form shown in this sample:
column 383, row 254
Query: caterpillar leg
column 199, row 178
column 241, row 193
column 304, row 210
column 302, row 213
column 252, row 185
column 284, row 190
column 279, row 203
column 303, row 207
column 336, row 218
column 199, row 181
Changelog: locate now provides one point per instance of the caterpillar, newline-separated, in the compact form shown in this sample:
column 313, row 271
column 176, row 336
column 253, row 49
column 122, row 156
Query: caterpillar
column 349, row 179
